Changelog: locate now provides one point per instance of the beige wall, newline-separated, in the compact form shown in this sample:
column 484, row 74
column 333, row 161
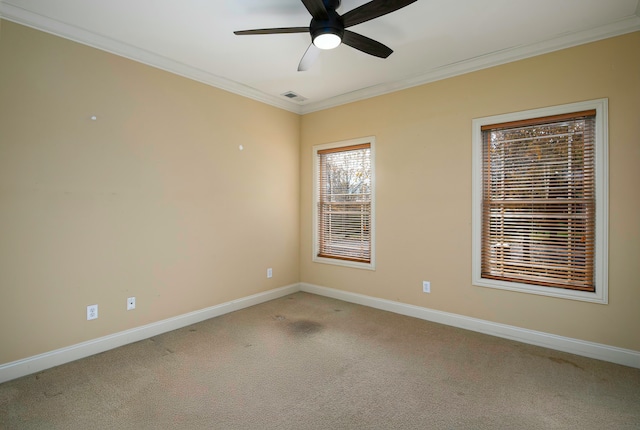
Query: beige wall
column 423, row 198
column 153, row 200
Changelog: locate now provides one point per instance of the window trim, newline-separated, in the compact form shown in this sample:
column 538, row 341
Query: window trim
column 602, row 205
column 315, row 245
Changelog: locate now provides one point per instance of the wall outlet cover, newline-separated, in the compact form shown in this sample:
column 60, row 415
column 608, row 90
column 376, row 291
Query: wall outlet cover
column 426, row 286
column 92, row 312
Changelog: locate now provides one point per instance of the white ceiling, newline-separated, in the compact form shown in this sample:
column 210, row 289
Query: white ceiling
column 431, row 39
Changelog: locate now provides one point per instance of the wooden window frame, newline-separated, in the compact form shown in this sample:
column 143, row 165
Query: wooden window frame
column 318, row 256
column 600, row 293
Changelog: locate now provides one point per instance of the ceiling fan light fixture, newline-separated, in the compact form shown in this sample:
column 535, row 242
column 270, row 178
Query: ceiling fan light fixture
column 327, row 41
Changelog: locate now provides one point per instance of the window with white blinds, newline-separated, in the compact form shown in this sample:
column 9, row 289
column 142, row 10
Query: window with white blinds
column 538, row 221
column 344, row 204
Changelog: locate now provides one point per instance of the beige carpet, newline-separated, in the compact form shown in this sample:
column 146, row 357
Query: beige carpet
column 310, row 362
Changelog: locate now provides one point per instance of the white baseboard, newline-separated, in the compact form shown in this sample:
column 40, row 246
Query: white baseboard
column 57, row 357
column 598, row 351
column 60, row 356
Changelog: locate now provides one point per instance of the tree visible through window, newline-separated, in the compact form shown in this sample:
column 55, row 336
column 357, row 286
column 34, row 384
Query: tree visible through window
column 344, row 203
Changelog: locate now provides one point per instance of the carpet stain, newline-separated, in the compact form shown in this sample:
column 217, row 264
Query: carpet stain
column 337, row 310
column 279, row 318
column 304, row 327
column 169, row 350
column 49, row 394
column 192, row 330
column 563, row 361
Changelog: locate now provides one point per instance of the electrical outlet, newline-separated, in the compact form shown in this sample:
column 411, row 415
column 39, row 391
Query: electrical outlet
column 426, row 286
column 92, row 312
column 131, row 303
column 269, row 272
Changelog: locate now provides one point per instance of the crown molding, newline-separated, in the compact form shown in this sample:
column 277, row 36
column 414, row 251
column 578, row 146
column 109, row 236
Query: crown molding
column 618, row 28
column 86, row 37
column 104, row 43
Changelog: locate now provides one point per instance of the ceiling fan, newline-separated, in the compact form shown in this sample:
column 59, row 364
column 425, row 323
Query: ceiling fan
column 328, row 28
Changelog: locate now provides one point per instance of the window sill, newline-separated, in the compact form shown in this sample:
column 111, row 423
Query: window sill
column 344, row 263
column 561, row 293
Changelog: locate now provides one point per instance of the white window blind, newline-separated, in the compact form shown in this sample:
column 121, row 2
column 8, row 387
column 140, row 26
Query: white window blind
column 344, row 203
column 538, row 201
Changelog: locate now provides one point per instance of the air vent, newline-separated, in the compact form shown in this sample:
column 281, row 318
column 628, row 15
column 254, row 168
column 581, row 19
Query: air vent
column 293, row 96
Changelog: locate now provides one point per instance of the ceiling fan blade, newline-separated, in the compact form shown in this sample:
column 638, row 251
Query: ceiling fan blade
column 316, row 9
column 309, row 57
column 273, row 31
column 366, row 45
column 373, row 9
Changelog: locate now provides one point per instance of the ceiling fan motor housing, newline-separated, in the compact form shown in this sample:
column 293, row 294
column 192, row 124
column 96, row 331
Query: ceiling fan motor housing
column 333, row 25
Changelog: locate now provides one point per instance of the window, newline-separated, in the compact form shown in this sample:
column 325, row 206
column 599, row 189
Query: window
column 344, row 203
column 540, row 201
